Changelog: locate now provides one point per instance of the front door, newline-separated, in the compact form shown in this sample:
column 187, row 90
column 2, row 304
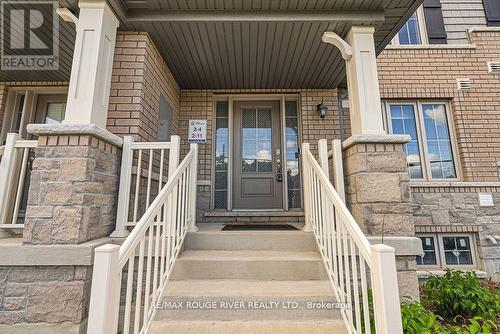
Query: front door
column 257, row 168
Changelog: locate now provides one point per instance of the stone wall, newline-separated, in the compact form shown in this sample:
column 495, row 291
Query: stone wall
column 425, row 73
column 43, row 300
column 73, row 189
column 455, row 209
column 377, row 185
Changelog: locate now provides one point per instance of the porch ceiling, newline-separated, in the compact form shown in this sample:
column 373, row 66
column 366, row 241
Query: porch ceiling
column 221, row 44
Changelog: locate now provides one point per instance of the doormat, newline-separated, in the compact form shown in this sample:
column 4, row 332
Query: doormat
column 260, row 227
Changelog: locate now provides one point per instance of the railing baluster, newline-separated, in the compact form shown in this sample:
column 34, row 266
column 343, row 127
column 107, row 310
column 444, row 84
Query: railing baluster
column 364, row 296
column 147, row 288
column 137, row 186
column 138, row 296
column 128, row 294
column 355, row 286
column 150, row 172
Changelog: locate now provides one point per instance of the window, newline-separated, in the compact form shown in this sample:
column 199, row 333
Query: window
column 165, row 122
column 430, row 152
column 413, row 32
column 55, row 112
column 447, row 250
column 221, row 154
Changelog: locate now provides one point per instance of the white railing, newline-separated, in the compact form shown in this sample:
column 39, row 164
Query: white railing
column 146, row 258
column 355, row 268
column 143, row 174
column 13, row 168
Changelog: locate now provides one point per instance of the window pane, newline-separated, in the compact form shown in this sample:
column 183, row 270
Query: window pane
column 438, row 141
column 221, row 155
column 409, row 33
column 292, row 154
column 55, row 112
column 429, row 256
column 403, row 122
column 458, row 250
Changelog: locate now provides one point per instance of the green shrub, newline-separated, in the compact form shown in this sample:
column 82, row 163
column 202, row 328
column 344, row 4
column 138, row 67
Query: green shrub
column 417, row 320
column 458, row 296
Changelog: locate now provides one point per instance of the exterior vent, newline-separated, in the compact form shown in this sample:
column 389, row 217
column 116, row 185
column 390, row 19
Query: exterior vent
column 494, row 67
column 463, row 84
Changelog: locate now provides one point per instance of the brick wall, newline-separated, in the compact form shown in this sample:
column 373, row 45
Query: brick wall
column 139, row 78
column 426, row 74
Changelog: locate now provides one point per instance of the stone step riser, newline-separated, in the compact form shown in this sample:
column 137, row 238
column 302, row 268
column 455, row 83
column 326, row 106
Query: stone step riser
column 248, row 327
column 295, row 241
column 248, row 308
column 290, row 270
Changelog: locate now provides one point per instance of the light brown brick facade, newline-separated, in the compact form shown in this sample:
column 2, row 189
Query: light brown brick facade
column 139, row 78
column 430, row 74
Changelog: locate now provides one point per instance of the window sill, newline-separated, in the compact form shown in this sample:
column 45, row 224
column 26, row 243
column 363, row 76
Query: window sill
column 432, row 184
column 431, row 47
column 421, row 273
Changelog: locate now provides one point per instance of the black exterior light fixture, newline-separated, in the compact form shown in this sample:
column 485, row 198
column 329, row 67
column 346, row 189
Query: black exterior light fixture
column 322, row 109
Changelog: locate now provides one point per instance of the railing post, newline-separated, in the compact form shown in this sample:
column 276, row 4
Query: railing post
column 338, row 168
column 306, row 188
column 173, row 154
column 193, row 187
column 7, row 165
column 105, row 291
column 387, row 307
column 323, row 156
column 124, row 190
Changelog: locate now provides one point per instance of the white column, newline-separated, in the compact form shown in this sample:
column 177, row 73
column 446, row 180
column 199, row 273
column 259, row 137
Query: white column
column 362, row 83
column 90, row 80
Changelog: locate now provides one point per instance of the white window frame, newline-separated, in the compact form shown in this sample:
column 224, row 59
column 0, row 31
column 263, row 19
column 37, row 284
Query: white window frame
column 438, row 264
column 424, row 40
column 422, row 138
column 472, row 249
column 439, row 249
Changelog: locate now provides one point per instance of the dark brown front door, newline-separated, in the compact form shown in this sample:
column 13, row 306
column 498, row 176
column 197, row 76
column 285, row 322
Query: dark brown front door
column 257, row 172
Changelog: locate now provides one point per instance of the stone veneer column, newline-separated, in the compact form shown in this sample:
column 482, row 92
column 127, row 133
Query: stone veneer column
column 378, row 196
column 74, row 184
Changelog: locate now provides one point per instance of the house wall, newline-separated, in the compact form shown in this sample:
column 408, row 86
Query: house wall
column 430, row 74
column 459, row 15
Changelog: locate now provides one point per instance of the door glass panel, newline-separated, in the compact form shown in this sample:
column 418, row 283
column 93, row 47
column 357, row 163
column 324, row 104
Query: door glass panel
column 256, row 141
column 292, row 154
column 221, row 154
column 55, row 112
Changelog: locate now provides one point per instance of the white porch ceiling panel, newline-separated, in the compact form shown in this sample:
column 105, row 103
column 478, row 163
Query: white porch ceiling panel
column 253, row 44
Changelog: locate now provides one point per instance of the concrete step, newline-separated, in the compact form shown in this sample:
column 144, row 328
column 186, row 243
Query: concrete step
column 249, row 327
column 225, row 300
column 251, row 240
column 243, row 287
column 251, row 265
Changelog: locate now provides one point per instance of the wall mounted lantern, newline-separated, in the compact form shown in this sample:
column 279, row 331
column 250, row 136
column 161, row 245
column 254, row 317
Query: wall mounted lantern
column 322, row 109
